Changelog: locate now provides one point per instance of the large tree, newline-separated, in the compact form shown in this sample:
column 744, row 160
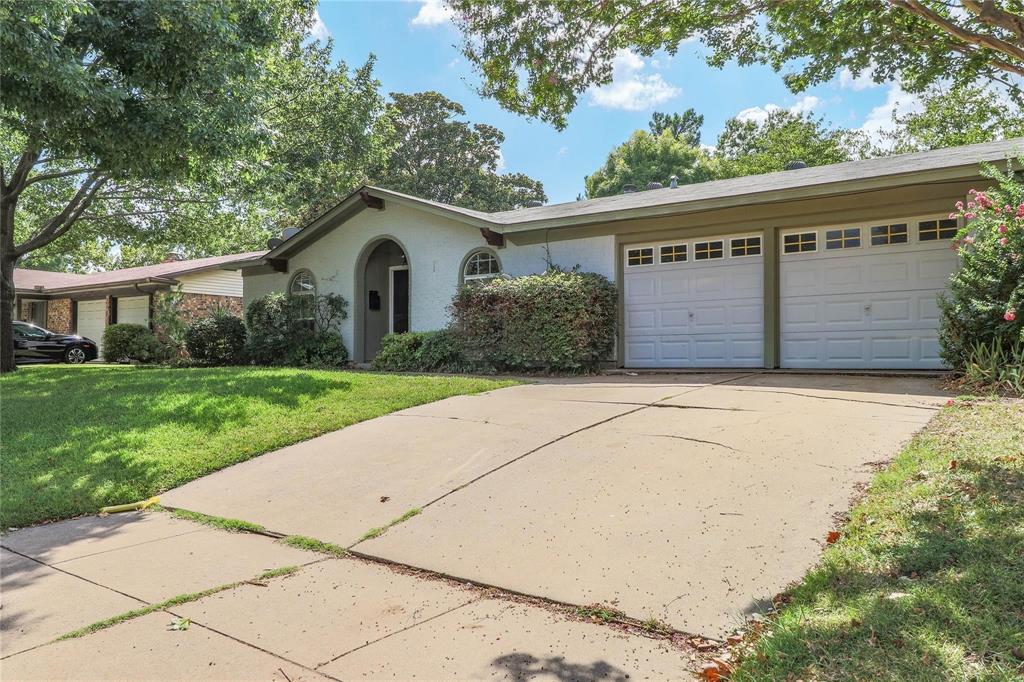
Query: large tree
column 440, row 157
column 118, row 100
column 646, row 158
column 537, row 57
column 956, row 116
column 685, row 126
column 754, row 146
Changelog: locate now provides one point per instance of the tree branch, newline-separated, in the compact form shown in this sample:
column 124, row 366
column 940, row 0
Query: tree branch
column 989, row 13
column 981, row 39
column 42, row 177
column 62, row 222
column 21, row 171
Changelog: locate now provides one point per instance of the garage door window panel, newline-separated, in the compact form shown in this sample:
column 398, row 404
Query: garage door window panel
column 709, row 250
column 800, row 242
column 932, row 230
column 745, row 246
column 885, row 235
column 846, row 238
column 673, row 253
column 643, row 256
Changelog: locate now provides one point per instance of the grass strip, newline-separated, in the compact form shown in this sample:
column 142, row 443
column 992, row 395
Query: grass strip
column 313, row 545
column 377, row 532
column 230, row 525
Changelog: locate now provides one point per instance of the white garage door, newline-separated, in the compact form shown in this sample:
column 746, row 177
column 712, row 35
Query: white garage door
column 695, row 303
column 864, row 296
column 133, row 310
column 92, row 319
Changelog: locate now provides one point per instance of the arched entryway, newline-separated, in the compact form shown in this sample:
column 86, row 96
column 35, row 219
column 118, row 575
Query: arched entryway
column 382, row 296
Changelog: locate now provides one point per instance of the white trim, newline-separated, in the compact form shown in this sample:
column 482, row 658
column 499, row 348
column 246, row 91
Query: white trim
column 391, row 295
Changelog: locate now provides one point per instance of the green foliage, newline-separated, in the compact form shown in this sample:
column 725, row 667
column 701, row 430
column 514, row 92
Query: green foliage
column 279, row 333
column 685, row 127
column 996, row 366
column 313, row 545
column 437, row 351
column 216, row 340
column 556, row 321
column 955, row 116
column 648, row 158
column 168, row 324
column 137, row 432
column 985, row 302
column 537, row 58
column 131, row 343
column 442, row 158
column 220, row 522
column 748, row 147
column 377, row 532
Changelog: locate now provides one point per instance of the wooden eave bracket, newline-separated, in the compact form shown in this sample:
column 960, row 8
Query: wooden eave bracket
column 492, row 238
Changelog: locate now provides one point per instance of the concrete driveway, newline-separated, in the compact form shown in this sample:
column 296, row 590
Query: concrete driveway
column 690, row 498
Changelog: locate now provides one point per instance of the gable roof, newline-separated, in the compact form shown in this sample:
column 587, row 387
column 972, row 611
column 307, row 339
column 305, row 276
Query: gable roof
column 45, row 281
column 937, row 165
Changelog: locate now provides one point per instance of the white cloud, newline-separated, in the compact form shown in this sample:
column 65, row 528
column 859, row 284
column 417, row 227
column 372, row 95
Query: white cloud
column 631, row 89
column 432, row 13
column 847, row 81
column 880, row 120
column 759, row 115
column 318, row 29
column 499, row 164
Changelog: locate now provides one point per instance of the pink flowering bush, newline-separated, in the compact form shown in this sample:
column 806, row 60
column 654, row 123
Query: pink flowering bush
column 987, row 291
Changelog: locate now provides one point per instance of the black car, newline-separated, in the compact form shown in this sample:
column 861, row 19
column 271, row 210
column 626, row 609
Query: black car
column 35, row 344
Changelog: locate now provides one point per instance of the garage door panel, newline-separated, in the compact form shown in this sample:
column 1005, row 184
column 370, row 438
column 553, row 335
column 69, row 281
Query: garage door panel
column 92, row 318
column 909, row 349
column 695, row 313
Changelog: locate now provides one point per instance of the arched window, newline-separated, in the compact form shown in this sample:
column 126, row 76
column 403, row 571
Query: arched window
column 481, row 265
column 303, row 291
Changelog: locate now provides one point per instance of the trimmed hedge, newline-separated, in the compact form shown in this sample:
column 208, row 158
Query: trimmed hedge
column 216, row 340
column 437, row 351
column 278, row 334
column 130, row 343
column 558, row 321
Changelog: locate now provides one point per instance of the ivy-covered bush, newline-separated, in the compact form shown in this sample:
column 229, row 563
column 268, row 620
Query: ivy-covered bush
column 216, row 340
column 280, row 331
column 557, row 321
column 985, row 303
column 437, row 351
column 131, row 343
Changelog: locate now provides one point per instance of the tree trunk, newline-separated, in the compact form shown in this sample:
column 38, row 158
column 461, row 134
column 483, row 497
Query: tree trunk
column 6, row 314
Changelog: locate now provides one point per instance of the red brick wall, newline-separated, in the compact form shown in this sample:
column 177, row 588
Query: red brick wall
column 197, row 306
column 58, row 315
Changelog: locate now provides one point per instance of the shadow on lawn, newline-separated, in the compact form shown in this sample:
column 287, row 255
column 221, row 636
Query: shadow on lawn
column 947, row 601
column 72, row 439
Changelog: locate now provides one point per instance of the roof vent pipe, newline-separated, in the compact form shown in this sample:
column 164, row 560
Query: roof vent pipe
column 628, row 189
column 654, row 185
column 534, row 203
column 673, row 181
column 795, row 164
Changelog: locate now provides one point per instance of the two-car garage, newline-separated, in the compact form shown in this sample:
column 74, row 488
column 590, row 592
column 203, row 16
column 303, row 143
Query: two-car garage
column 858, row 296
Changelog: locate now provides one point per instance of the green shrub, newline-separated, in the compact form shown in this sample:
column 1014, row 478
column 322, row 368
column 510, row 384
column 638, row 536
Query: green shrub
column 436, row 351
column 985, row 303
column 131, row 343
column 556, row 321
column 279, row 335
column 216, row 340
column 993, row 366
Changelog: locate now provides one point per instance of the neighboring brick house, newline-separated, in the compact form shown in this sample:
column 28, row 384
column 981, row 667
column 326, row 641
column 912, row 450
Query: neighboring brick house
column 69, row 303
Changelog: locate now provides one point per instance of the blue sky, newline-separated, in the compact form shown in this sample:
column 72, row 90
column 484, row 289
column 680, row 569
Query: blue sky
column 417, row 49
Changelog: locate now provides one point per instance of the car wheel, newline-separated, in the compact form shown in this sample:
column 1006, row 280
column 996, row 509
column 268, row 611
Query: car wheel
column 74, row 356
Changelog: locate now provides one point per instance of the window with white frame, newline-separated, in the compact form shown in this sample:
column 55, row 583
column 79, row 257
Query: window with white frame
column 800, row 242
column 641, row 256
column 673, row 253
column 302, row 290
column 481, row 265
column 709, row 250
column 846, row 238
column 883, row 235
column 745, row 246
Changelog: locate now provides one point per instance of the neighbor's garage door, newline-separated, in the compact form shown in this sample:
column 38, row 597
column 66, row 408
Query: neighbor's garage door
column 133, row 310
column 92, row 319
column 694, row 303
column 864, row 296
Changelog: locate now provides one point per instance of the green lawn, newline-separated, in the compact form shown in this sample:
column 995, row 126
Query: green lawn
column 78, row 438
column 927, row 581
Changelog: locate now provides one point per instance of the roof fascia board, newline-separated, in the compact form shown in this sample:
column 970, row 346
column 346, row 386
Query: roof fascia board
column 113, row 285
column 738, row 200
